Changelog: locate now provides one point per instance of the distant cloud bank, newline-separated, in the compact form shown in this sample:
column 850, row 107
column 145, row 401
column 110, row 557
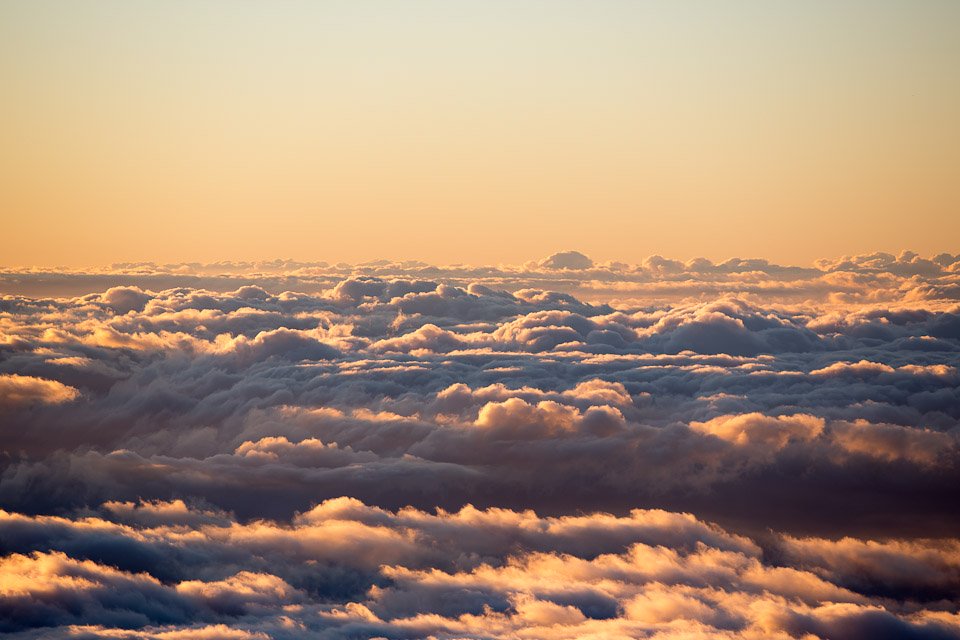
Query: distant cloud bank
column 288, row 450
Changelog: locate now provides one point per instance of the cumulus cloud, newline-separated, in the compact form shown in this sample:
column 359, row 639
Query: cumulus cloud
column 287, row 449
column 125, row 299
column 344, row 569
column 17, row 390
column 566, row 260
column 755, row 429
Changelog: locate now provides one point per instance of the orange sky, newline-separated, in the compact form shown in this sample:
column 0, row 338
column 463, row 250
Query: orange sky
column 476, row 132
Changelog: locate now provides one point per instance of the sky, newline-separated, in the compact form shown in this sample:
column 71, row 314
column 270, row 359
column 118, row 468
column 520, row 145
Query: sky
column 479, row 319
column 476, row 132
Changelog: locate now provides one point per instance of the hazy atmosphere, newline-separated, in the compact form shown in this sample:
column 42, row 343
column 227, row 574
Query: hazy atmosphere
column 479, row 320
column 479, row 132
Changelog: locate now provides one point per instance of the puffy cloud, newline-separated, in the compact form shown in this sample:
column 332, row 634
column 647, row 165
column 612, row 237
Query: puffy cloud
column 567, row 260
column 285, row 343
column 891, row 442
column 755, row 429
column 287, row 449
column 52, row 589
column 17, row 390
column 344, row 569
column 235, row 594
column 515, row 418
column 125, row 299
column 865, row 368
column 429, row 337
column 921, row 569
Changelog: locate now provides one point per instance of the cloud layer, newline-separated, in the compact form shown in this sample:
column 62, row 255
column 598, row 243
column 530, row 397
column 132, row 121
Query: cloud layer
column 176, row 449
column 346, row 569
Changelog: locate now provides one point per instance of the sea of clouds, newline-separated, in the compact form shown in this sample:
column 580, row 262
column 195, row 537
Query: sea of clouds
column 560, row 449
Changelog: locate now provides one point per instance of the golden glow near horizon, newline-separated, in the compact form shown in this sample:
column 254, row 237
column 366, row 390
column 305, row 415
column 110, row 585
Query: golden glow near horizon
column 476, row 131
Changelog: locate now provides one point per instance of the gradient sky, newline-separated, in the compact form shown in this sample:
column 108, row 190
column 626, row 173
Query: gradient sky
column 476, row 131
